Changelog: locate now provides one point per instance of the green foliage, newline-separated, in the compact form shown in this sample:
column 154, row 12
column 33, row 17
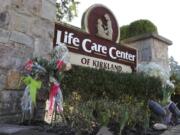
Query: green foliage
column 124, row 120
column 83, row 115
column 66, row 9
column 78, row 114
column 174, row 67
column 140, row 27
column 96, row 97
column 175, row 74
column 124, row 32
column 176, row 79
column 92, row 84
column 82, row 21
column 137, row 28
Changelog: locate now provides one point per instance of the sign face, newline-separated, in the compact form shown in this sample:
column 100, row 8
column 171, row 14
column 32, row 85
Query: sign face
column 92, row 51
column 99, row 20
column 87, row 61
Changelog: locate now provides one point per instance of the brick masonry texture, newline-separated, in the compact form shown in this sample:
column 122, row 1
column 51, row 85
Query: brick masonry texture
column 26, row 30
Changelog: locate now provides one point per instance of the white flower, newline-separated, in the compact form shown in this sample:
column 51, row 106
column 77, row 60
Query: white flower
column 169, row 84
column 154, row 70
column 61, row 52
column 68, row 66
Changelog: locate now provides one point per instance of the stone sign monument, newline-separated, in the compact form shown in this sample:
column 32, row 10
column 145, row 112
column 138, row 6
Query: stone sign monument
column 97, row 47
column 27, row 30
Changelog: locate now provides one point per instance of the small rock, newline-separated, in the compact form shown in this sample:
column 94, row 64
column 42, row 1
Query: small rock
column 160, row 126
column 104, row 131
column 12, row 129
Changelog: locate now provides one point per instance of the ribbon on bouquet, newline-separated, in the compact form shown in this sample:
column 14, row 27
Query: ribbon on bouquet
column 55, row 98
column 59, row 64
column 32, row 85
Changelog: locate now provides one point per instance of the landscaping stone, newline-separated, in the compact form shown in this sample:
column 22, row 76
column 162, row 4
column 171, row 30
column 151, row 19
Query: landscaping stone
column 10, row 102
column 4, row 19
column 5, row 57
column 104, row 131
column 42, row 28
column 48, row 10
column 13, row 79
column 21, row 22
column 5, row 4
column 42, row 47
column 172, row 131
column 17, row 3
column 2, row 79
column 6, row 129
column 33, row 6
column 160, row 126
column 13, row 55
column 4, row 36
column 22, row 38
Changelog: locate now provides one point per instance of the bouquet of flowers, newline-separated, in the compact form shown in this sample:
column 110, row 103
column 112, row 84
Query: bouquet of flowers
column 45, row 72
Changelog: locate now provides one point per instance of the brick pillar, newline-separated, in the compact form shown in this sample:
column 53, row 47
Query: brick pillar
column 151, row 47
column 26, row 30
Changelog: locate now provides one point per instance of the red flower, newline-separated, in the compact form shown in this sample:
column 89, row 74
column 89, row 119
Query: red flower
column 28, row 65
column 59, row 64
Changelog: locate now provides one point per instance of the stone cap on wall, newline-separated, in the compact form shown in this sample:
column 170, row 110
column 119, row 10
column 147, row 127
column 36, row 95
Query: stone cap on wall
column 145, row 36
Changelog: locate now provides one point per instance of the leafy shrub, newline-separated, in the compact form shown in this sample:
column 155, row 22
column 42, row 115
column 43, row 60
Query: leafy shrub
column 140, row 27
column 137, row 28
column 92, row 84
column 97, row 97
column 124, row 32
column 102, row 112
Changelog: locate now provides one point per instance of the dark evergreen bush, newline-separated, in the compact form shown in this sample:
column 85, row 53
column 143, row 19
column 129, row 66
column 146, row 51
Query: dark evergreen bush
column 137, row 28
column 124, row 32
column 140, row 27
column 93, row 84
